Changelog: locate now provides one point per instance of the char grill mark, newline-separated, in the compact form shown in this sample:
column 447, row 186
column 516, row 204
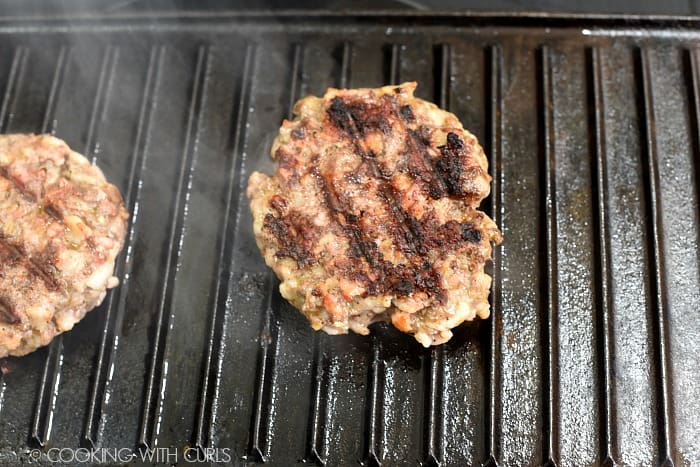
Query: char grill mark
column 450, row 166
column 451, row 235
column 26, row 194
column 54, row 212
column 350, row 118
column 423, row 167
column 470, row 234
column 44, row 266
column 357, row 239
column 412, row 239
column 8, row 314
column 49, row 208
column 41, row 265
column 296, row 234
column 387, row 277
column 407, row 113
column 443, row 174
column 354, row 119
column 9, row 254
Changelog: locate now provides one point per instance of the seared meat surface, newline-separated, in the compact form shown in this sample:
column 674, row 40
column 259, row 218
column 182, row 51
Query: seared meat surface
column 61, row 228
column 372, row 214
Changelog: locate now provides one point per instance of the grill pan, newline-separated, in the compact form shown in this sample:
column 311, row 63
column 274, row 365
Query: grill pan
column 592, row 130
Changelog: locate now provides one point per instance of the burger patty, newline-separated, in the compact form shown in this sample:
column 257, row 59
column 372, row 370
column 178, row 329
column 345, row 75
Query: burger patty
column 61, row 228
column 372, row 214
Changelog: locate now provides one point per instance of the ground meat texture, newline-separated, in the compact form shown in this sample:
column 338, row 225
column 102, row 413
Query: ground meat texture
column 61, row 228
column 372, row 214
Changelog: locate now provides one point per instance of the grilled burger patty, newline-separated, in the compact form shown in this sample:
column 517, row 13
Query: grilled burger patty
column 61, row 227
column 372, row 214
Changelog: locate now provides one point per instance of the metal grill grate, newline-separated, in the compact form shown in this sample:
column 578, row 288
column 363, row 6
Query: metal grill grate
column 591, row 129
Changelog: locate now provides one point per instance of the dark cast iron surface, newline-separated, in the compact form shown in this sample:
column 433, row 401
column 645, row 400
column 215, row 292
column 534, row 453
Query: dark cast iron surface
column 592, row 130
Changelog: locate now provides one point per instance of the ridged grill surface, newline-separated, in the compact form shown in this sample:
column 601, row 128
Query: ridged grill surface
column 592, row 129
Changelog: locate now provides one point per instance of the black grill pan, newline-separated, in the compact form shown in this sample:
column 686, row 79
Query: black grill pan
column 592, row 129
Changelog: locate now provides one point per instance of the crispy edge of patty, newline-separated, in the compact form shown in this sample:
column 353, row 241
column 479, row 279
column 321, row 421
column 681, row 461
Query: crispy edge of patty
column 59, row 256
column 468, row 295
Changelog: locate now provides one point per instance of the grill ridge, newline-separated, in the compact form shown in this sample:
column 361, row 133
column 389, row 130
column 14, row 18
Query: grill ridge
column 259, row 448
column 692, row 72
column 107, row 353
column 3, row 388
column 375, row 393
column 49, row 385
column 99, row 109
column 260, row 442
column 494, row 65
column 158, row 368
column 317, row 449
column 654, row 234
column 603, row 279
column 435, row 396
column 296, row 78
column 14, row 82
column 49, row 124
column 210, row 375
column 48, row 393
column 375, row 403
column 548, row 237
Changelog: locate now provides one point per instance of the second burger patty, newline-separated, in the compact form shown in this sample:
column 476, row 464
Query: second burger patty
column 372, row 214
column 61, row 227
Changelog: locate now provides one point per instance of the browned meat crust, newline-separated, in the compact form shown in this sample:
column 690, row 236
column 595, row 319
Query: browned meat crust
column 372, row 214
column 61, row 228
